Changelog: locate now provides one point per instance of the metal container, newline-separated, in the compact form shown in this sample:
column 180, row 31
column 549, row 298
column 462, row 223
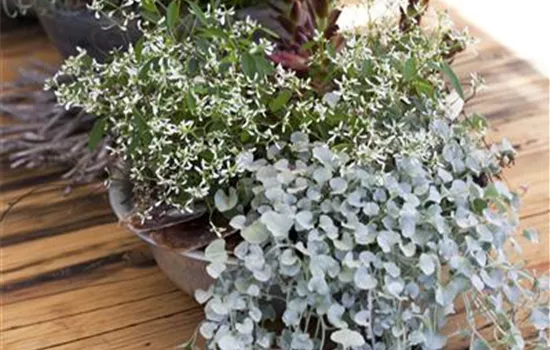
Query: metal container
column 69, row 29
column 186, row 268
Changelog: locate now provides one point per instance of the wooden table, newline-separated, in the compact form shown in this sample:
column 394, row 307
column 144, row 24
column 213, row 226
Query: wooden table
column 73, row 278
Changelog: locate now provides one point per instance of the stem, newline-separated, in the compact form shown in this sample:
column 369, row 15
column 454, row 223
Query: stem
column 370, row 331
column 307, row 322
column 324, row 330
column 471, row 321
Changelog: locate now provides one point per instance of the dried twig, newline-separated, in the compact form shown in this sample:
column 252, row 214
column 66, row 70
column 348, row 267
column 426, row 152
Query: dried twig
column 46, row 133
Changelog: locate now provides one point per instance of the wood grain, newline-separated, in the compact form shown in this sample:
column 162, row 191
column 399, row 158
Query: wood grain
column 72, row 278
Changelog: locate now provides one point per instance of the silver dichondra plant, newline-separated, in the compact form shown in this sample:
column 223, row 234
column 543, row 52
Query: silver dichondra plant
column 368, row 258
column 368, row 202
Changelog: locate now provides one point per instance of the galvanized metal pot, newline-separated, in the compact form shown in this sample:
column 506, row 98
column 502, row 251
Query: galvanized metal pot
column 69, row 29
column 185, row 267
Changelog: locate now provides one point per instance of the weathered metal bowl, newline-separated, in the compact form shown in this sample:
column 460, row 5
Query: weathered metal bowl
column 185, row 267
column 69, row 29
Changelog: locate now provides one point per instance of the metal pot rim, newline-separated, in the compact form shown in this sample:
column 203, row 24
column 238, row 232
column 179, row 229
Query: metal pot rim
column 120, row 194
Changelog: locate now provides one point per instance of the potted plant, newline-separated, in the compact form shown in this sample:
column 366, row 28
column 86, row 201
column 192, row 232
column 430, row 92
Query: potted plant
column 343, row 189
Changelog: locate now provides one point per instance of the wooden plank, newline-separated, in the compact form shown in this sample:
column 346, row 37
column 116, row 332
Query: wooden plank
column 22, row 45
column 30, row 220
column 131, row 265
column 22, row 261
column 530, row 171
column 532, row 163
column 163, row 333
column 116, row 317
column 98, row 296
column 29, row 198
column 537, row 256
column 484, row 328
column 22, row 178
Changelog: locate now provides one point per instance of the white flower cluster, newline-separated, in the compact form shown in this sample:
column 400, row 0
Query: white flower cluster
column 370, row 259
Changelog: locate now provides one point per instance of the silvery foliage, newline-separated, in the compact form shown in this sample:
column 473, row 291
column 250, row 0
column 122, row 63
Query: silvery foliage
column 183, row 110
column 372, row 259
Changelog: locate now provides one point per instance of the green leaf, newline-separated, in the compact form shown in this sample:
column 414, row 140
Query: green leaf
column 245, row 136
column 197, row 11
column 309, row 45
column 367, row 68
column 97, row 132
column 139, row 123
column 409, row 69
column 147, row 67
column 263, row 66
column 208, row 33
column 248, row 64
column 491, row 192
column 479, row 205
column 423, row 87
column 140, row 135
column 206, row 155
column 172, row 14
column 151, row 17
column 478, row 122
column 149, row 7
column 448, row 71
column 192, row 66
column 191, row 103
column 138, row 48
column 269, row 32
column 278, row 102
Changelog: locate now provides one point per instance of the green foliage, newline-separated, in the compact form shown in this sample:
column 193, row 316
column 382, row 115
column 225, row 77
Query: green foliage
column 455, row 82
column 172, row 15
column 184, row 108
column 409, row 70
column 280, row 101
column 97, row 133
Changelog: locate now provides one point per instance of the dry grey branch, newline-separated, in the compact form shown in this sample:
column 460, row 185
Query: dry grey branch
column 42, row 133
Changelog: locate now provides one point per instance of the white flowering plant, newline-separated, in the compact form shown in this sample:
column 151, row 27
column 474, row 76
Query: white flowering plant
column 369, row 204
column 184, row 107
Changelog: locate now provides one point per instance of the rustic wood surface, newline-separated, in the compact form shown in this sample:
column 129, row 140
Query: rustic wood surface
column 73, row 278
